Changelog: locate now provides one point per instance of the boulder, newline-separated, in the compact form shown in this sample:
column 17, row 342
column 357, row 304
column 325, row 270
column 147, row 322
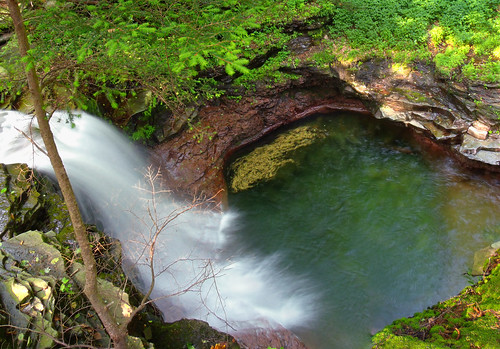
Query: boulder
column 485, row 151
column 27, row 289
column 37, row 256
column 23, row 207
column 482, row 256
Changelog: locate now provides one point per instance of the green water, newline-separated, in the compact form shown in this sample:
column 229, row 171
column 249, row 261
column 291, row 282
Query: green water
column 378, row 227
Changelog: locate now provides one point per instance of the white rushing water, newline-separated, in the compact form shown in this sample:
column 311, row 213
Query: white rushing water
column 195, row 276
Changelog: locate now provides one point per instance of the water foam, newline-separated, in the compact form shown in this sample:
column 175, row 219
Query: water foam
column 196, row 277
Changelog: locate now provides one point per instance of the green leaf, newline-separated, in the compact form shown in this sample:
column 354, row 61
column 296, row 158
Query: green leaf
column 229, row 69
column 30, row 66
column 178, row 67
column 81, row 54
column 145, row 29
column 54, row 261
column 112, row 46
column 98, row 24
column 4, row 190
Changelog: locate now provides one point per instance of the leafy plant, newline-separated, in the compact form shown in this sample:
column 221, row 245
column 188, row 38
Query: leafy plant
column 66, row 286
column 405, row 31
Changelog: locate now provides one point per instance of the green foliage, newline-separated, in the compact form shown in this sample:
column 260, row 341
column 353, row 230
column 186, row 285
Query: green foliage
column 269, row 72
column 451, row 59
column 66, row 286
column 143, row 133
column 408, row 30
column 469, row 320
column 181, row 50
column 109, row 48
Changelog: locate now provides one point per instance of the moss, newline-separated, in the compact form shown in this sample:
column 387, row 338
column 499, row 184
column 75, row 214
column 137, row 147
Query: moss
column 469, row 320
column 386, row 339
column 412, row 95
column 186, row 332
column 264, row 162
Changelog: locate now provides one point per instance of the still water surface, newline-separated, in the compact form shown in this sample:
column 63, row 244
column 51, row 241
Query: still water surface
column 378, row 227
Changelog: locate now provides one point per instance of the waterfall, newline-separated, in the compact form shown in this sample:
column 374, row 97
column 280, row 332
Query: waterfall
column 196, row 275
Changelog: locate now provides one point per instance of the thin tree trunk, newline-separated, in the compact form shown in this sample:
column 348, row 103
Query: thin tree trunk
column 118, row 335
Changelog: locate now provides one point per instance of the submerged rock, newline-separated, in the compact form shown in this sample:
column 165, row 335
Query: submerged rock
column 481, row 258
column 264, row 162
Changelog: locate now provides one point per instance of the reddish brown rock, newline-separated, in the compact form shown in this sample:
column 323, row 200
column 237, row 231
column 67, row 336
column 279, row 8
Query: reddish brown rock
column 272, row 337
column 229, row 125
column 193, row 159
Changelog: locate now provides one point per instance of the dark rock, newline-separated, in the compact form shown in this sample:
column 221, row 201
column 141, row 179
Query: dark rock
column 300, row 44
column 186, row 332
column 23, row 207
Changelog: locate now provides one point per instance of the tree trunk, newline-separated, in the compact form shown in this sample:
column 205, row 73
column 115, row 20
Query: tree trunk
column 118, row 335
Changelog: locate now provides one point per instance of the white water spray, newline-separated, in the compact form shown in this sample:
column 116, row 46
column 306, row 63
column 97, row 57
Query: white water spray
column 194, row 276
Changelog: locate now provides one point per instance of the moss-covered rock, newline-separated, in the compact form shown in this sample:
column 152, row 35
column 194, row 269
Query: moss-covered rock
column 185, row 333
column 469, row 320
column 28, row 289
column 20, row 200
column 263, row 163
column 31, row 201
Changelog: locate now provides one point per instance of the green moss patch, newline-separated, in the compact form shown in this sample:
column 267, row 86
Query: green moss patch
column 469, row 320
column 264, row 162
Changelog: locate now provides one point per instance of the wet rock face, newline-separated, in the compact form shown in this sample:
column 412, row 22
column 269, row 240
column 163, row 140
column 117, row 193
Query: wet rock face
column 21, row 207
column 463, row 115
column 24, row 207
column 193, row 160
column 263, row 338
column 442, row 110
